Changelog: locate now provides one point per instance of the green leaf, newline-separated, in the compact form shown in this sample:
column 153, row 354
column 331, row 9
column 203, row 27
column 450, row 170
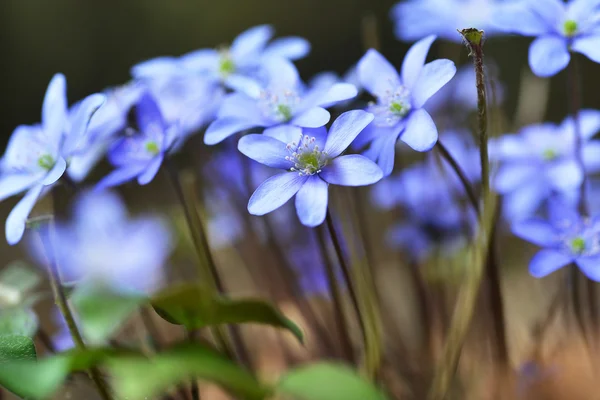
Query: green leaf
column 325, row 381
column 137, row 377
column 101, row 311
column 197, row 307
column 18, row 321
column 13, row 347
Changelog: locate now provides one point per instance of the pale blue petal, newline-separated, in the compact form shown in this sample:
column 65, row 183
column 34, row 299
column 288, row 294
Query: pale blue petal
column 291, row 48
column 311, row 202
column 16, row 220
column 120, row 176
column 387, row 152
column 275, row 192
column 151, row 170
column 338, row 92
column 245, row 85
column 284, row 133
column 312, row 118
column 203, row 60
column 518, row 18
column 376, row 74
column 590, row 266
column 11, row 184
column 222, row 128
column 155, row 68
column 54, row 108
column 562, row 214
column 591, row 156
column 509, row 146
column 241, row 106
column 148, row 115
column 265, row 150
column 414, row 61
column 547, row 261
column 85, row 110
column 55, row 173
column 565, row 175
column 548, row 55
column 588, row 46
column 420, row 133
column 319, row 134
column 536, row 231
column 513, row 176
column 282, row 74
column 432, row 78
column 589, row 122
column 345, row 129
column 250, row 42
column 524, row 202
column 351, row 170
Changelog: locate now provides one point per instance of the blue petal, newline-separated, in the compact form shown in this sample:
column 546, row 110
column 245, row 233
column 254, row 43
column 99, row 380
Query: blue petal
column 284, row 133
column 513, row 176
column 387, row 152
column 11, row 184
column 311, row 202
column 588, row 46
column 562, row 214
column 590, row 266
column 414, row 61
column 338, row 92
column 589, row 123
column 16, row 220
column 55, row 173
column 548, row 55
column 536, row 231
column 222, row 128
column 432, row 78
column 524, row 202
column 351, row 170
column 546, row 262
column 345, row 129
column 148, row 115
column 320, row 135
column 250, row 42
column 282, row 74
column 120, row 176
column 275, row 192
column 420, row 133
column 565, row 175
column 376, row 74
column 203, row 60
column 54, row 109
column 518, row 18
column 291, row 48
column 591, row 156
column 241, row 106
column 243, row 84
column 156, row 67
column 265, row 150
column 312, row 118
column 85, row 110
column 151, row 170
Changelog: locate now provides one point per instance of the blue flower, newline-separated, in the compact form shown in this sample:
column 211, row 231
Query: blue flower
column 37, row 156
column 559, row 28
column 101, row 244
column 566, row 237
column 248, row 52
column 312, row 162
column 399, row 111
column 140, row 154
column 540, row 160
column 283, row 106
column 416, row 19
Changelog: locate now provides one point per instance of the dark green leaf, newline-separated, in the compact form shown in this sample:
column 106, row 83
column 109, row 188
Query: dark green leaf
column 18, row 321
column 197, row 307
column 13, row 348
column 137, row 377
column 326, row 381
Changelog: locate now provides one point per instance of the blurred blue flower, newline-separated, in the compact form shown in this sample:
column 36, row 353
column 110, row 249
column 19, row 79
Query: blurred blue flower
column 246, row 55
column 560, row 28
column 62, row 339
column 399, row 111
column 140, row 154
column 101, row 244
column 566, row 237
column 283, row 106
column 312, row 163
column 416, row 19
column 37, row 156
column 540, row 160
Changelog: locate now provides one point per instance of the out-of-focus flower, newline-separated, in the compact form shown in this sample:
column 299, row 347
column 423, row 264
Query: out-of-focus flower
column 399, row 111
column 540, row 160
column 560, row 28
column 312, row 162
column 37, row 156
column 62, row 339
column 101, row 244
column 565, row 238
column 283, row 106
column 416, row 19
column 140, row 154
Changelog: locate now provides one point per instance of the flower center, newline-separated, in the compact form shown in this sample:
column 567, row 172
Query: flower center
column 306, row 157
column 279, row 106
column 578, row 245
column 550, row 155
column 570, row 28
column 152, row 147
column 46, row 161
column 226, row 66
column 391, row 107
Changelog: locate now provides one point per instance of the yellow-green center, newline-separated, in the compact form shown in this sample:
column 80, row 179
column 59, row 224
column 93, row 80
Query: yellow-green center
column 570, row 28
column 152, row 147
column 398, row 108
column 549, row 154
column 226, row 66
column 285, row 111
column 309, row 161
column 578, row 245
column 46, row 161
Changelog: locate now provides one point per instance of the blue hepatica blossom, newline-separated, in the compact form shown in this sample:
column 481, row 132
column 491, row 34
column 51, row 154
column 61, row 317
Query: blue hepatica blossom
column 37, row 156
column 566, row 237
column 311, row 162
column 101, row 244
column 540, row 160
column 140, row 154
column 415, row 19
column 399, row 111
column 559, row 28
column 284, row 105
column 230, row 65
